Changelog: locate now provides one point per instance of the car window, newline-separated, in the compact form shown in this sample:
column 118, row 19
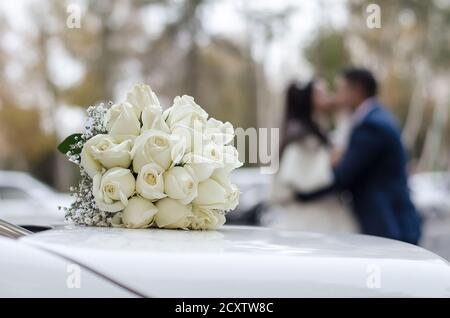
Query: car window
column 12, row 193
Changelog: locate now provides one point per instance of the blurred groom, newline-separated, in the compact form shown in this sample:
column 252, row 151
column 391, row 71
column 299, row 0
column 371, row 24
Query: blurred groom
column 374, row 165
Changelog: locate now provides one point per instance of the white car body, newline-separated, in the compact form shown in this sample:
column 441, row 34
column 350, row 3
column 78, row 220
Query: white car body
column 27, row 201
column 230, row 262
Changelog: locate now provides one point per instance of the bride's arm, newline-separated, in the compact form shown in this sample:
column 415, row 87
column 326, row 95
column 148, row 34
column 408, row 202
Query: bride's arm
column 367, row 144
column 314, row 195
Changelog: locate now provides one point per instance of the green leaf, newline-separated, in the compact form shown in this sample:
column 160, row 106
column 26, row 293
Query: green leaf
column 66, row 145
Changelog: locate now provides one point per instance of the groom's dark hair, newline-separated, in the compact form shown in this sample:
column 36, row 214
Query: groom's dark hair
column 361, row 78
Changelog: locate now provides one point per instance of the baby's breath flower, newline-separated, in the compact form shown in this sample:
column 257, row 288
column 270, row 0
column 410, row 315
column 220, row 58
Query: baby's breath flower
column 83, row 210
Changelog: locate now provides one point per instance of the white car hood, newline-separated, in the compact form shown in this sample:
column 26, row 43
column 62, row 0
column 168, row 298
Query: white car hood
column 251, row 262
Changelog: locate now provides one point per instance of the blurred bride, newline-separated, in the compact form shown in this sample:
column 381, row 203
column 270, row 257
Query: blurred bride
column 306, row 165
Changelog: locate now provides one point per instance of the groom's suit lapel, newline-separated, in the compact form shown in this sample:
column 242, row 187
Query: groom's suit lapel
column 362, row 116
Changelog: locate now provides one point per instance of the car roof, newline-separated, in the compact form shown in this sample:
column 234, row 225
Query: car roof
column 250, row 262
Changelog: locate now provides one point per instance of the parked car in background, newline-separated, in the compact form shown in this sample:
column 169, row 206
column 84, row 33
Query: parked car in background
column 27, row 201
column 431, row 194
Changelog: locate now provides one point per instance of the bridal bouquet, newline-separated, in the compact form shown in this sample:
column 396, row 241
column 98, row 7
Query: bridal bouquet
column 142, row 166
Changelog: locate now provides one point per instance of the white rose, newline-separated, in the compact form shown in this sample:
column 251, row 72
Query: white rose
column 211, row 195
column 232, row 198
column 219, row 132
column 139, row 213
column 172, row 214
column 150, row 182
column 211, row 151
column 152, row 119
column 192, row 138
column 185, row 112
column 180, row 183
column 205, row 160
column 104, row 151
column 217, row 192
column 116, row 220
column 112, row 190
column 206, row 219
column 230, row 157
column 221, row 176
column 158, row 147
column 122, row 121
column 91, row 165
column 204, row 164
column 141, row 97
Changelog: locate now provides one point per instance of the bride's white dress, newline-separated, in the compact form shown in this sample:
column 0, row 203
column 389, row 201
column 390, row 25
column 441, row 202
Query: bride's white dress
column 305, row 166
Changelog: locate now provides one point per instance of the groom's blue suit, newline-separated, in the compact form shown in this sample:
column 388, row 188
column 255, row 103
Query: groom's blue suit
column 373, row 169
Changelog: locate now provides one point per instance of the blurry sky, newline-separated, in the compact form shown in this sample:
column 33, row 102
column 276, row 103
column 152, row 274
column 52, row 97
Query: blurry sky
column 281, row 58
column 283, row 53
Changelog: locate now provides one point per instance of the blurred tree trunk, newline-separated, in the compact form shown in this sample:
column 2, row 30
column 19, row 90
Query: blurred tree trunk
column 106, row 63
column 191, row 76
column 414, row 119
column 253, row 113
column 435, row 133
column 54, row 166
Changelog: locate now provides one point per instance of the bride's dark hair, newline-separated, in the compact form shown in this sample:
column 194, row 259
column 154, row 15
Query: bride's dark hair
column 299, row 122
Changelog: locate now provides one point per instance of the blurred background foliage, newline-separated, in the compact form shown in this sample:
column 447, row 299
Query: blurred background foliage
column 51, row 72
